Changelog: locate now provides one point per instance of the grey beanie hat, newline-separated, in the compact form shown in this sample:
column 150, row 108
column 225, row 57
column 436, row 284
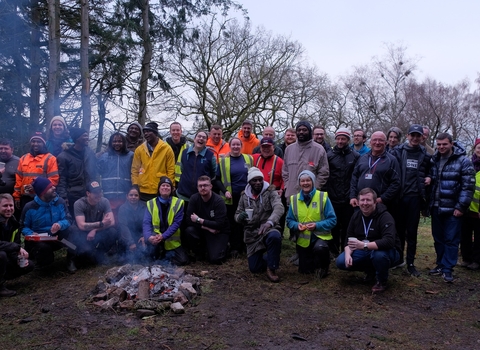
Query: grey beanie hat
column 308, row 173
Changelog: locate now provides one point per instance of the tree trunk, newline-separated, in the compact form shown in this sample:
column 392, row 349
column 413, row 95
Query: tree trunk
column 147, row 57
column 85, row 73
column 35, row 65
column 54, row 49
column 102, row 115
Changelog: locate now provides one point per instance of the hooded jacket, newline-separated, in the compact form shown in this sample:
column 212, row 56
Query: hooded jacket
column 248, row 145
column 455, row 183
column 300, row 156
column 267, row 206
column 39, row 216
column 115, row 170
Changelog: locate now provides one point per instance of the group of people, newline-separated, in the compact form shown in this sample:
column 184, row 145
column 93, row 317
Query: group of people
column 146, row 198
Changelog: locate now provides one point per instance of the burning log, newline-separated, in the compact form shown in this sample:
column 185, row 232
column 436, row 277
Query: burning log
column 143, row 290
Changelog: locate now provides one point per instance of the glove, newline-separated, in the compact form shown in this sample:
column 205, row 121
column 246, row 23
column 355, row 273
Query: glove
column 242, row 216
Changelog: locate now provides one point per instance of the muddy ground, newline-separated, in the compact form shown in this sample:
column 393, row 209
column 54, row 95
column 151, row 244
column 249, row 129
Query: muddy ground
column 238, row 310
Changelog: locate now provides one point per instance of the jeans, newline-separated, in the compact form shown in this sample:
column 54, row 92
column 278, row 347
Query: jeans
column 369, row 261
column 273, row 242
column 446, row 232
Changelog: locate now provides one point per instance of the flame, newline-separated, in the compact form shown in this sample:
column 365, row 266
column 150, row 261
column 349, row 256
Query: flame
column 152, row 285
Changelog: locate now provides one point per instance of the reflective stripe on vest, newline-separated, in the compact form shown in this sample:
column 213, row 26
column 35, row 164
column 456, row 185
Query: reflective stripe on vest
column 174, row 240
column 14, row 233
column 225, row 174
column 178, row 168
column 272, row 171
column 310, row 214
column 475, row 205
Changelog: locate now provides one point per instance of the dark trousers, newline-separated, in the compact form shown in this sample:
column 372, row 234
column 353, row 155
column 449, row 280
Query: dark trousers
column 96, row 248
column 470, row 250
column 43, row 251
column 177, row 256
column 203, row 242
column 315, row 256
column 406, row 222
column 236, row 229
column 273, row 243
column 9, row 268
column 344, row 212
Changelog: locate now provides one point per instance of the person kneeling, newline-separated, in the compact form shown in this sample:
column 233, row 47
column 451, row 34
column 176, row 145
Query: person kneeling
column 311, row 217
column 261, row 224
column 373, row 244
column 161, row 225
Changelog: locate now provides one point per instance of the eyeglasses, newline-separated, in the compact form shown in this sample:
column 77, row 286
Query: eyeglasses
column 357, row 135
column 203, row 185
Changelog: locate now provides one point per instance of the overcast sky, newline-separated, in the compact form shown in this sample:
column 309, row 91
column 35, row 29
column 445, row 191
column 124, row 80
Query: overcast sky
column 339, row 34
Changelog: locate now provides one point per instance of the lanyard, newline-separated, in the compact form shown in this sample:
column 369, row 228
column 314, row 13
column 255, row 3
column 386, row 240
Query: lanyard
column 365, row 228
column 370, row 165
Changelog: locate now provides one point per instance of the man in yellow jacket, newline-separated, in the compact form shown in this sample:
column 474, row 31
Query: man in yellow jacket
column 152, row 160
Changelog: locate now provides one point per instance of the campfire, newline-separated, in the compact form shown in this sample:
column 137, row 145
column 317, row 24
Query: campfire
column 148, row 290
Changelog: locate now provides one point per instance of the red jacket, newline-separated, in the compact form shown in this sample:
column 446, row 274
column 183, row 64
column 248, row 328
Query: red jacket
column 266, row 164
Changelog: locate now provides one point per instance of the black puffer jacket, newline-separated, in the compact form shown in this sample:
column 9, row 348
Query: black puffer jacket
column 76, row 170
column 341, row 162
column 456, row 182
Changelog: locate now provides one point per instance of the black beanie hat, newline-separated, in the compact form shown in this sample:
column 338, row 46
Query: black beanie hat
column 152, row 126
column 305, row 124
column 75, row 133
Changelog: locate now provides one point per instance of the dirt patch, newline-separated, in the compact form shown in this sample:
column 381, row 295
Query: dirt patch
column 238, row 310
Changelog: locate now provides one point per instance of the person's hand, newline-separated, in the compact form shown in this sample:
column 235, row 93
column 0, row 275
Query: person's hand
column 132, row 247
column 91, row 235
column 107, row 221
column 428, row 180
column 311, row 226
column 263, row 228
column 2, row 170
column 352, row 244
column 457, row 213
column 23, row 253
column 302, row 227
column 354, row 202
column 242, row 216
column 29, row 189
column 280, row 192
column 55, row 228
column 348, row 260
column 194, row 217
column 379, row 200
column 228, row 195
column 142, row 241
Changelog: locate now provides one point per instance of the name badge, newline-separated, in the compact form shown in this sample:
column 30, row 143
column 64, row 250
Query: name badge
column 368, row 176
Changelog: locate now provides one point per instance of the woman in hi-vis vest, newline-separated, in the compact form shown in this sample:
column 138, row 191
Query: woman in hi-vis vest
column 311, row 217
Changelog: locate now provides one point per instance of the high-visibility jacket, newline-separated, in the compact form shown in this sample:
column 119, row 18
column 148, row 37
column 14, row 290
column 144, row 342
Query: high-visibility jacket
column 225, row 173
column 31, row 167
column 312, row 213
column 173, row 241
column 222, row 148
column 474, row 205
column 178, row 163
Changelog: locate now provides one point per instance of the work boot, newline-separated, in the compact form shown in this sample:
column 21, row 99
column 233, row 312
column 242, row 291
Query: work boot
column 4, row 292
column 272, row 276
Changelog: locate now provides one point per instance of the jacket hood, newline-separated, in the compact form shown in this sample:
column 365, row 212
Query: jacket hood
column 250, row 138
column 43, row 203
column 457, row 151
column 248, row 191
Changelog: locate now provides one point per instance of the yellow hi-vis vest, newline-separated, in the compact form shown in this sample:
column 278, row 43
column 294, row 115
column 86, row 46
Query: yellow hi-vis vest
column 174, row 240
column 225, row 174
column 312, row 213
column 178, row 168
column 474, row 205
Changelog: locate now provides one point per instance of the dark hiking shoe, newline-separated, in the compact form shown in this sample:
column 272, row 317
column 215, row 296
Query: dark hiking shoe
column 448, row 277
column 321, row 273
column 436, row 271
column 379, row 287
column 272, row 276
column 4, row 292
column 413, row 271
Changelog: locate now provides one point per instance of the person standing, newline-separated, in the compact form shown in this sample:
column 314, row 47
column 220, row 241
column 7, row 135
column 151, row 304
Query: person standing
column 134, row 136
column 216, row 143
column 289, row 138
column 359, row 138
column 453, row 183
column 341, row 162
column 269, row 133
column 426, row 135
column 9, row 169
column 178, row 143
column 38, row 162
column 471, row 222
column 262, row 230
column 152, row 160
column 249, row 140
column 77, row 166
column 394, row 138
column 414, row 164
column 305, row 154
column 57, row 135
column 208, row 229
column 319, row 137
column 231, row 180
column 311, row 217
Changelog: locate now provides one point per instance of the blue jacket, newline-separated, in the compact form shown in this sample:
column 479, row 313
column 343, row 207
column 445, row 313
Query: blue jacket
column 193, row 167
column 115, row 170
column 39, row 216
column 456, row 183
